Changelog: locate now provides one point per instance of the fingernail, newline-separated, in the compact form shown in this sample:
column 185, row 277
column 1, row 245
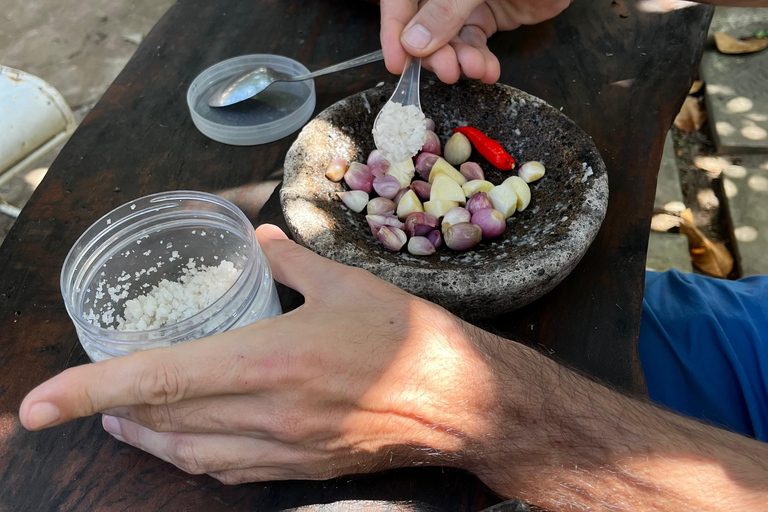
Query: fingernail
column 111, row 425
column 42, row 414
column 417, row 36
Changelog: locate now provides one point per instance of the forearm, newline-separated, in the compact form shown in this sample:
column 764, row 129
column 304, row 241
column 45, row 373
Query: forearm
column 566, row 443
column 736, row 3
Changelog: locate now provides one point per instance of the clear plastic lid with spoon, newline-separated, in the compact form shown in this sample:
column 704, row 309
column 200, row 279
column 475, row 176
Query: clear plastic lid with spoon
column 275, row 113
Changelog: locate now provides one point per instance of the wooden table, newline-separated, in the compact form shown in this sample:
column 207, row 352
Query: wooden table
column 620, row 72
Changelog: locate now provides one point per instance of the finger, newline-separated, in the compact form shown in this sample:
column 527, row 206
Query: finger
column 276, row 416
column 293, row 265
column 436, row 23
column 236, row 361
column 444, row 64
column 395, row 14
column 475, row 37
column 244, row 476
column 471, row 60
column 206, row 453
column 483, row 17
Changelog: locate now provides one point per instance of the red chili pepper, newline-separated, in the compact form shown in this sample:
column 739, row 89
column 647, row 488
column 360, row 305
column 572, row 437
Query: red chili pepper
column 489, row 148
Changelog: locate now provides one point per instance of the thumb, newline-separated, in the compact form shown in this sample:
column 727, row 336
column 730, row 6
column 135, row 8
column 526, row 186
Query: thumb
column 436, row 23
column 293, row 265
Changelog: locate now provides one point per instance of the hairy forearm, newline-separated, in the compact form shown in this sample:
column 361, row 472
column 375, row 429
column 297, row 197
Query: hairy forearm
column 564, row 442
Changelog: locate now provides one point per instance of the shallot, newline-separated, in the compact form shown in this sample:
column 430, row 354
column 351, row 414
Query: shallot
column 359, row 177
column 455, row 216
column 356, row 200
column 457, row 149
column 386, row 186
column 432, row 145
column 461, row 237
column 421, row 188
column 436, row 238
column 420, row 246
column 381, row 206
column 490, row 221
column 392, row 238
column 472, row 171
column 420, row 224
column 424, row 164
column 477, row 202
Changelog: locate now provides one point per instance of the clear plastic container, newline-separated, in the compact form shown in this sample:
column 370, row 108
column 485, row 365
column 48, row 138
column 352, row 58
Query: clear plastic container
column 132, row 248
column 275, row 113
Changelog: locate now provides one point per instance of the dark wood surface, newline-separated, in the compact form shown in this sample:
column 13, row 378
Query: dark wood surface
column 619, row 72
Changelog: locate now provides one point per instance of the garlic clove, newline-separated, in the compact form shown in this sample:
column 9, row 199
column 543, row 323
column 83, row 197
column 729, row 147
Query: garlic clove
column 472, row 171
column 455, row 216
column 392, row 238
column 432, row 145
column 359, row 177
column 336, row 169
column 477, row 202
column 443, row 167
column 471, row 188
column 356, row 200
column 422, row 189
column 424, row 164
column 386, row 186
column 457, row 149
column 420, row 246
column 491, row 222
column 403, row 171
column 463, row 236
column 445, row 189
column 429, row 124
column 504, row 199
column 522, row 190
column 439, row 208
column 531, row 171
column 381, row 206
column 408, row 204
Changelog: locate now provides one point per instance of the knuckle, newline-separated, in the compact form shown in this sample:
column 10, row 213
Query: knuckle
column 289, row 428
column 443, row 10
column 156, row 417
column 160, row 385
column 185, row 456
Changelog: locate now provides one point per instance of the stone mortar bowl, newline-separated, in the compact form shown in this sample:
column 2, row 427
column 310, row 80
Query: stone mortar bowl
column 541, row 244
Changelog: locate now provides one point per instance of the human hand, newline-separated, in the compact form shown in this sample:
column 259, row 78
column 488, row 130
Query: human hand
column 362, row 377
column 451, row 35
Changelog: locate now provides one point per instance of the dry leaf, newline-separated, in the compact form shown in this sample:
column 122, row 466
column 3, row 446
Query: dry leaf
column 731, row 45
column 663, row 222
column 706, row 255
column 692, row 116
column 696, row 86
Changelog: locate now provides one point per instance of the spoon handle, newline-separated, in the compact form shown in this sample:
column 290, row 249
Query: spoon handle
column 407, row 91
column 357, row 61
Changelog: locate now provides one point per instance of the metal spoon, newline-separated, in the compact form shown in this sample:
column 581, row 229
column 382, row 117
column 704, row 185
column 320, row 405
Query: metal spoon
column 248, row 85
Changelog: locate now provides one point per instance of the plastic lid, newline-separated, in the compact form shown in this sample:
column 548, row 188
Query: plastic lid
column 275, row 113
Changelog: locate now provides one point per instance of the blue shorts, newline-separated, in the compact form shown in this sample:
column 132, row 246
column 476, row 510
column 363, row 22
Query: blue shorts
column 704, row 348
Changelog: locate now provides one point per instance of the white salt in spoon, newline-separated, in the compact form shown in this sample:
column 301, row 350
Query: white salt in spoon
column 407, row 90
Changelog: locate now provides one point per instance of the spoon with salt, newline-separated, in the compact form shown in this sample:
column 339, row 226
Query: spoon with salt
column 406, row 93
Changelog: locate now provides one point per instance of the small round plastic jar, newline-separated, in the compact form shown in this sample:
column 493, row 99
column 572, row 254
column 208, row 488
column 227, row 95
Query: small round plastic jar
column 161, row 237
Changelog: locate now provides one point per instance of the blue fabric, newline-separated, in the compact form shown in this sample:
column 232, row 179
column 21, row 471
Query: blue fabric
column 704, row 348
